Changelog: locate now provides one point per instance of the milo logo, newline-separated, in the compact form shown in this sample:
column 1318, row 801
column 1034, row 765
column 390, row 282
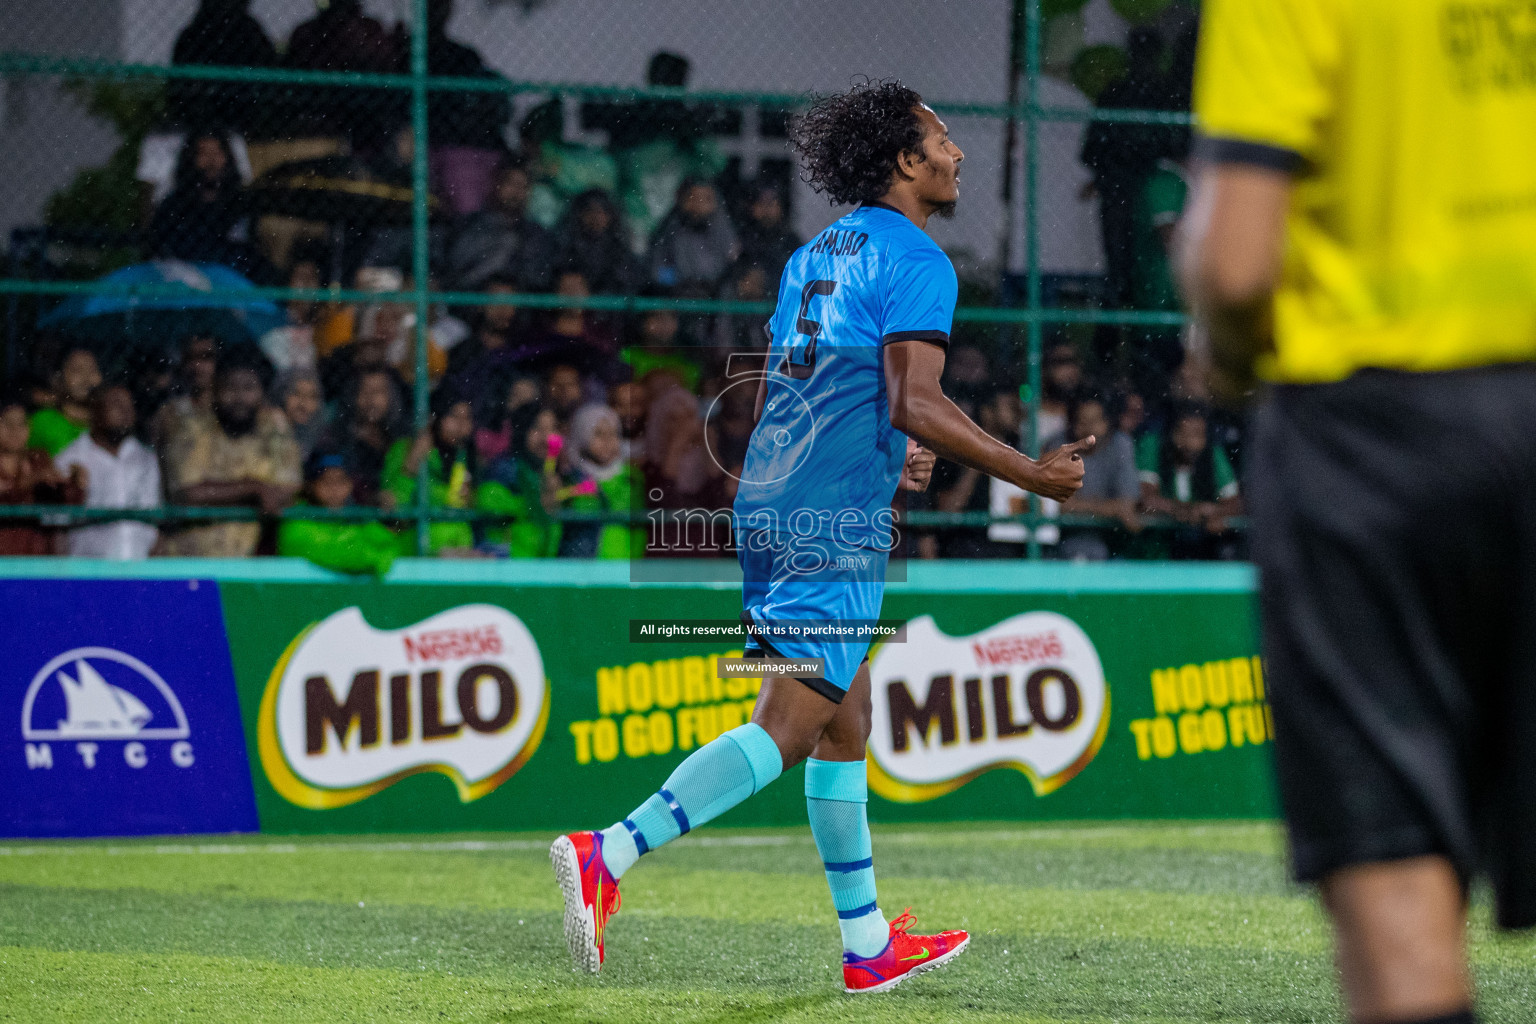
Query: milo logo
column 1028, row 694
column 350, row 710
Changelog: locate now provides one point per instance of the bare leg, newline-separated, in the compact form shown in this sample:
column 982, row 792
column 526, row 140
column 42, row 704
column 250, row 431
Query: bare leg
column 794, row 715
column 847, row 734
column 1400, row 927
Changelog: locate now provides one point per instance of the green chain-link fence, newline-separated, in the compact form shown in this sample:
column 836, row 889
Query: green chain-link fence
column 363, row 161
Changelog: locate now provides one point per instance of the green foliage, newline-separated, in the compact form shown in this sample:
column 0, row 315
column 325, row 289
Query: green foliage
column 1139, row 10
column 1054, row 8
column 1096, row 68
column 108, row 196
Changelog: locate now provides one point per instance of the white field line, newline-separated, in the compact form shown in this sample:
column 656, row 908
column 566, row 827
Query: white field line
column 945, row 838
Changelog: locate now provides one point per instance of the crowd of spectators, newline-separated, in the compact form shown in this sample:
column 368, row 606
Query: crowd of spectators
column 535, row 411
column 242, row 172
column 1164, row 459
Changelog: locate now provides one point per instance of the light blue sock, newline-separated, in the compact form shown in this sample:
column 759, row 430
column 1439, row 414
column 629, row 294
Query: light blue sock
column 714, row 778
column 836, row 796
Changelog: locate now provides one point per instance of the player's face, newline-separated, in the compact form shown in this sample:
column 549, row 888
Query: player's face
column 939, row 174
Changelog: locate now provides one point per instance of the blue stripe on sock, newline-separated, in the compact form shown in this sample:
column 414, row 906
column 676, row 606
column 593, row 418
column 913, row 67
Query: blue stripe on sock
column 845, row 865
column 677, row 810
column 639, row 837
column 848, row 915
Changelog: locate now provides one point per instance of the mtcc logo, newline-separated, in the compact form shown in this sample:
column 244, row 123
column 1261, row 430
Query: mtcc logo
column 106, row 706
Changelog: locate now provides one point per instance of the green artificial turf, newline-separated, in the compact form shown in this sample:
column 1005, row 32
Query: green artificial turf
column 1071, row 923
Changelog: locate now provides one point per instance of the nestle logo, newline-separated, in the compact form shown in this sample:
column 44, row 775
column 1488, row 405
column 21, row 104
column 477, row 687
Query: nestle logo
column 438, row 645
column 1010, row 650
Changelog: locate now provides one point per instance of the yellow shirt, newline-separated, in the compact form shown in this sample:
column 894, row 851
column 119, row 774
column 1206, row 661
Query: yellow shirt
column 1410, row 126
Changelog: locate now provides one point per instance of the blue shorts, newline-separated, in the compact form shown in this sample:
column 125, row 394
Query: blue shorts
column 809, row 599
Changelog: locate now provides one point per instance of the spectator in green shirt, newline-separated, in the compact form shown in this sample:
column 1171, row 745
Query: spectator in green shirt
column 1157, row 350
column 77, row 376
column 450, row 460
column 1157, row 213
column 525, row 484
column 367, row 547
column 1186, row 477
column 609, row 483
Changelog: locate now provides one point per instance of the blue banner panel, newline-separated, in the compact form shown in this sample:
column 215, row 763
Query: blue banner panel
column 118, row 711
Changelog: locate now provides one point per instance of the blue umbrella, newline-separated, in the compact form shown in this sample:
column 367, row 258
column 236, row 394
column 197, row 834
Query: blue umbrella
column 186, row 300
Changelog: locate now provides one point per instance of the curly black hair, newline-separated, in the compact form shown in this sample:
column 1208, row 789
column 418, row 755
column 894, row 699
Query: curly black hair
column 849, row 142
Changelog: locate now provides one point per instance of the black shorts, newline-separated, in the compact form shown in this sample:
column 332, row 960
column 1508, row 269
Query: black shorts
column 1394, row 526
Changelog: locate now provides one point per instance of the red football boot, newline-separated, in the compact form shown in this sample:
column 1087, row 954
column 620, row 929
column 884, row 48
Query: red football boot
column 904, row 956
column 591, row 895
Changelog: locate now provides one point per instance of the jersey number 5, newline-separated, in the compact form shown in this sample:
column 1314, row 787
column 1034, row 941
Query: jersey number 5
column 800, row 361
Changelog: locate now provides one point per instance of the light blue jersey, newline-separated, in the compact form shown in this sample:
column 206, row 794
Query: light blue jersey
column 824, row 460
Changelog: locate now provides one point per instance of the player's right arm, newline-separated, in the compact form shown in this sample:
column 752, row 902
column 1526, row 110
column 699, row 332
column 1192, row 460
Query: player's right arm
column 921, row 410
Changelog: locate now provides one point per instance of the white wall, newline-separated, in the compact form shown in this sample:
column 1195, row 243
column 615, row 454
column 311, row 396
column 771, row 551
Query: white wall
column 44, row 135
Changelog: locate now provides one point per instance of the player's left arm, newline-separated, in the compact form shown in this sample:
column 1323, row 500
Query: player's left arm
column 1231, row 248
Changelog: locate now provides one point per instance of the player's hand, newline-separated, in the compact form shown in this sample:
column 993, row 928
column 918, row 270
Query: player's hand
column 1059, row 473
column 918, row 469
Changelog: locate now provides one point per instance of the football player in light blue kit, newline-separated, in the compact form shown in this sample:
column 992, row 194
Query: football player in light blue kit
column 849, row 409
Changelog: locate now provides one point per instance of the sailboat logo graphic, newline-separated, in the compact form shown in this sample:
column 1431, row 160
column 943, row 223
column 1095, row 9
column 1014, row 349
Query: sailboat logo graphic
column 95, row 709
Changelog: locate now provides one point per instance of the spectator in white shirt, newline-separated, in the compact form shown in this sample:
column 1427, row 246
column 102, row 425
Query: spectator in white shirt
column 120, row 472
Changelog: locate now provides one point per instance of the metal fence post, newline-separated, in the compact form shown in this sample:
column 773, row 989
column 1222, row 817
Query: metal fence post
column 420, row 242
column 1032, row 236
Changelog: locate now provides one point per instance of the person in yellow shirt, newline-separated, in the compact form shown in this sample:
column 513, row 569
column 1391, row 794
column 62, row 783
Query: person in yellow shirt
column 1362, row 238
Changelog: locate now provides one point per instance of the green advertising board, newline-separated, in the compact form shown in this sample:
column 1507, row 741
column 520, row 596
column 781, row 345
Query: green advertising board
column 516, row 697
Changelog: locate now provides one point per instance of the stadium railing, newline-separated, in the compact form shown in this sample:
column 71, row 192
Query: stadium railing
column 1034, row 316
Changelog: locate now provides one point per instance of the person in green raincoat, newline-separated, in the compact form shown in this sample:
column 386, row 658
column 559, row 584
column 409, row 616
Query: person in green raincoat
column 366, row 547
column 525, row 484
column 609, row 483
column 451, row 471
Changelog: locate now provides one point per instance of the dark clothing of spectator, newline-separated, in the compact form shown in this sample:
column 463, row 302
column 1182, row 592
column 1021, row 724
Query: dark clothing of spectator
column 467, row 142
column 768, row 246
column 342, row 38
column 602, row 257
column 364, row 455
column 33, row 482
column 221, row 34
column 206, row 221
column 693, row 255
column 204, row 229
column 500, row 243
column 953, row 480
column 466, row 360
column 1122, row 155
column 464, row 118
